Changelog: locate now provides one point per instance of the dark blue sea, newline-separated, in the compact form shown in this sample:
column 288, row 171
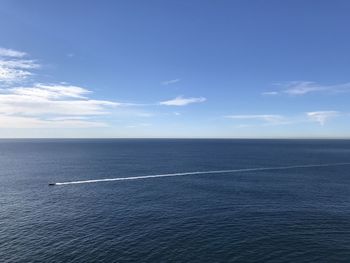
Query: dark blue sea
column 291, row 215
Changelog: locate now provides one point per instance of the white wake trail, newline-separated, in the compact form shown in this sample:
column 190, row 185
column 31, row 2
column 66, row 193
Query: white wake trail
column 200, row 172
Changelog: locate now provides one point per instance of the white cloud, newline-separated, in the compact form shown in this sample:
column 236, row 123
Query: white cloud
column 19, row 64
column 4, row 52
column 50, row 106
column 322, row 116
column 65, row 118
column 303, row 87
column 13, row 68
column 270, row 118
column 34, row 122
column 297, row 88
column 51, row 99
column 53, row 91
column 38, row 105
column 181, row 101
column 171, row 81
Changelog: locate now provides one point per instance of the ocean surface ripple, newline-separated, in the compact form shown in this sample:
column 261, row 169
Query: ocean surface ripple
column 299, row 214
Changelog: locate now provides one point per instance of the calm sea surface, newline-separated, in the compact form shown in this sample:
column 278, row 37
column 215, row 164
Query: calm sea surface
column 292, row 215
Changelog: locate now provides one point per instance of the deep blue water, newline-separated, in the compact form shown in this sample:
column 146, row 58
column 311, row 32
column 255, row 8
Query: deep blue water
column 294, row 215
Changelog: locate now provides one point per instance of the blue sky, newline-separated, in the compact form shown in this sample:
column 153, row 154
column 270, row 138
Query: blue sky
column 225, row 69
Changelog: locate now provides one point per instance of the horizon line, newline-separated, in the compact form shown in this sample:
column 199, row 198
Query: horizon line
column 175, row 138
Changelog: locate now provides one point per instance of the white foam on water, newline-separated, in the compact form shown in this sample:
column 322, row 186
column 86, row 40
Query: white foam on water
column 199, row 173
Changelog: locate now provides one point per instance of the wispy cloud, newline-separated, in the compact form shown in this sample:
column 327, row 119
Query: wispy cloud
column 13, row 67
column 270, row 118
column 297, row 88
column 181, row 101
column 303, row 87
column 144, row 114
column 270, row 93
column 38, row 105
column 51, row 106
column 35, row 122
column 4, row 52
column 171, row 81
column 51, row 99
column 322, row 116
column 50, row 91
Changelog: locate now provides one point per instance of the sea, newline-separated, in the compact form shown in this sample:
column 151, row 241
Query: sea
column 186, row 200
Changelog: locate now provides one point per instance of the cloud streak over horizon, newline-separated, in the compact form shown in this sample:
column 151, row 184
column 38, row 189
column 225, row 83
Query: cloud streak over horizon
column 320, row 117
column 299, row 88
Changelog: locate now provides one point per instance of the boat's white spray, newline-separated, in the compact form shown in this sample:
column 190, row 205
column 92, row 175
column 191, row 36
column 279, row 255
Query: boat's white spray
column 199, row 173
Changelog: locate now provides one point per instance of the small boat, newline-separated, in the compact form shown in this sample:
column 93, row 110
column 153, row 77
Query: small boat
column 51, row 184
